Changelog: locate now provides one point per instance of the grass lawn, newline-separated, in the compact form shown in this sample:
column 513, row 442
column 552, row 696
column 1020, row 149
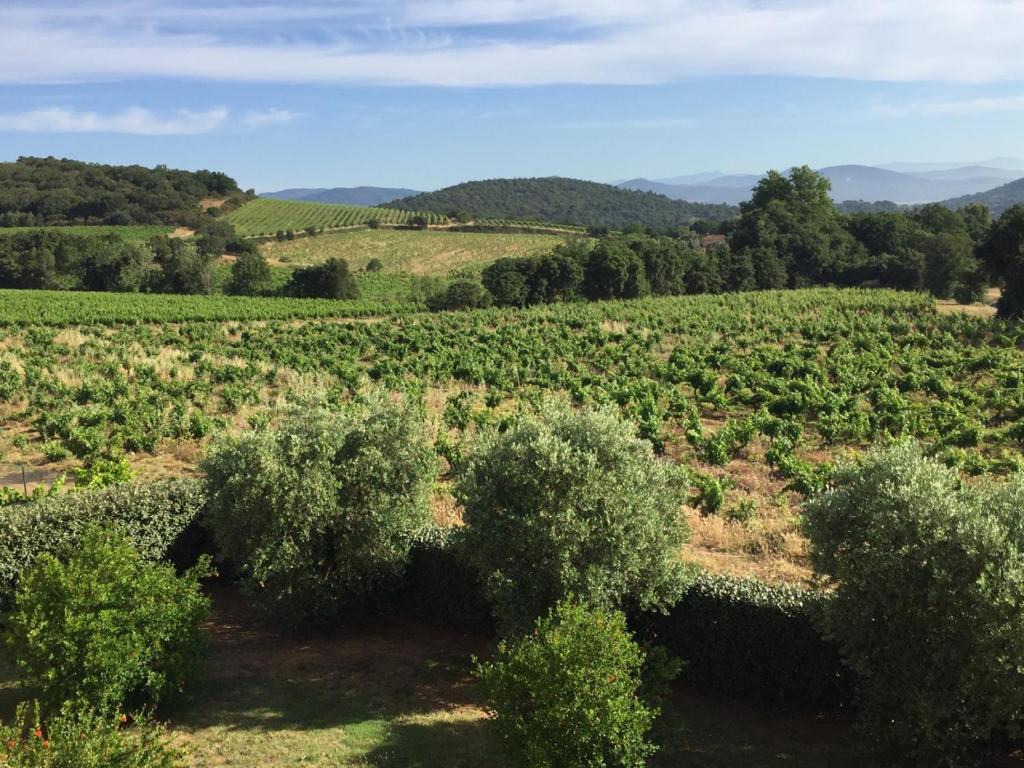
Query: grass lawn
column 429, row 252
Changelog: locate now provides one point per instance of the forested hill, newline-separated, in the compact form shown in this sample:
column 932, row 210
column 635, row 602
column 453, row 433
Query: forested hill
column 564, row 201
column 49, row 191
column 998, row 199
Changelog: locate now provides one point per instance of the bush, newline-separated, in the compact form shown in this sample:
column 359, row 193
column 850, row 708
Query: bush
column 374, row 265
column 78, row 738
column 460, row 294
column 158, row 518
column 322, row 511
column 330, row 280
column 567, row 695
column 82, row 738
column 572, row 503
column 751, row 639
column 250, row 275
column 106, row 628
column 929, row 603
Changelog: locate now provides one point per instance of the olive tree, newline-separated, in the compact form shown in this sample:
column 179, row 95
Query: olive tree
column 928, row 609
column 566, row 502
column 321, row 511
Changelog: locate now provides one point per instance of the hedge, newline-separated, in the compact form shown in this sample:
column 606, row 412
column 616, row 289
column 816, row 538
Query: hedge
column 742, row 637
column 752, row 639
column 160, row 519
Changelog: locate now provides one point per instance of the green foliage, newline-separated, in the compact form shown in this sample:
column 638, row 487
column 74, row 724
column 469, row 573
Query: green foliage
column 154, row 517
column 1003, row 256
column 563, row 201
column 265, row 216
column 928, row 607
column 79, row 737
column 250, row 275
column 103, row 472
column 567, row 694
column 329, row 280
column 567, row 502
column 461, row 293
column 107, row 628
column 322, row 511
column 37, row 191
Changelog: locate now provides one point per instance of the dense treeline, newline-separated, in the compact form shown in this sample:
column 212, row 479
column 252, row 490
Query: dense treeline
column 789, row 235
column 50, row 191
column 564, row 201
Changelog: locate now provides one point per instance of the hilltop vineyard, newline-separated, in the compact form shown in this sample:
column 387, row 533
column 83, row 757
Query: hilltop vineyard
column 266, row 217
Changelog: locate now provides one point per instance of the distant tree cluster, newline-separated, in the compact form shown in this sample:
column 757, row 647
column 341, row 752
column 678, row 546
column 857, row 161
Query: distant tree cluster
column 563, row 201
column 49, row 191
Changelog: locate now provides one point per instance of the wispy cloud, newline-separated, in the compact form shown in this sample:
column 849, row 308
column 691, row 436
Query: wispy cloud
column 136, row 120
column 630, row 123
column 973, row 106
column 509, row 42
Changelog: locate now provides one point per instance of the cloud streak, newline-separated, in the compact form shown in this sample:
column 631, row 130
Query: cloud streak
column 510, row 42
column 137, row 121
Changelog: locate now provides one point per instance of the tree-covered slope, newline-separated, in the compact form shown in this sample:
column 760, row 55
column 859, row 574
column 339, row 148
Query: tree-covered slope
column 37, row 191
column 998, row 199
column 564, row 201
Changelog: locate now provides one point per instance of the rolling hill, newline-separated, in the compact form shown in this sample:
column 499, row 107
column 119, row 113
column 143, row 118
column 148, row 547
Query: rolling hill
column 265, row 216
column 998, row 199
column 849, row 182
column 344, row 195
column 564, row 201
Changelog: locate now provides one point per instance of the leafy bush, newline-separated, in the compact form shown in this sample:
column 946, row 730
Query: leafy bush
column 572, row 503
column 929, row 602
column 155, row 517
column 323, row 510
column 752, row 639
column 567, row 695
column 78, row 738
column 106, row 628
column 330, row 280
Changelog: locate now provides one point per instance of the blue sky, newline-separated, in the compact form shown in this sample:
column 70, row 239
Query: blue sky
column 422, row 93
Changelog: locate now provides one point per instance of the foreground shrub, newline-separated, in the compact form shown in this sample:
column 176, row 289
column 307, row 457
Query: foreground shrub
column 106, row 627
column 572, row 503
column 567, row 695
column 929, row 602
column 155, row 517
column 323, row 510
column 78, row 738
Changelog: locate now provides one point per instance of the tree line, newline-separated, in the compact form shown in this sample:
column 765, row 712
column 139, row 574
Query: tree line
column 37, row 191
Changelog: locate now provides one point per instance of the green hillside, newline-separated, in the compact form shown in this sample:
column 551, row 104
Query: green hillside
column 266, row 216
column 565, row 201
column 998, row 199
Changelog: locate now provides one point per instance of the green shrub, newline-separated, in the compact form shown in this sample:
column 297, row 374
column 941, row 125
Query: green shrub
column 100, row 473
column 567, row 695
column 322, row 511
column 106, row 628
column 572, row 503
column 81, row 738
column 155, row 517
column 928, row 579
column 751, row 639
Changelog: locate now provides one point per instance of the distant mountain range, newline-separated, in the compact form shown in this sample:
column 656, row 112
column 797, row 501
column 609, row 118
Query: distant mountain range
column 998, row 199
column 343, row 195
column 849, row 182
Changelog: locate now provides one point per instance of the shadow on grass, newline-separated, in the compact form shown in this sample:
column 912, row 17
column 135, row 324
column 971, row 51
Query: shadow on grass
column 453, row 744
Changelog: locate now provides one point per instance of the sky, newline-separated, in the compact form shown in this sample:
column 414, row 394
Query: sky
column 427, row 93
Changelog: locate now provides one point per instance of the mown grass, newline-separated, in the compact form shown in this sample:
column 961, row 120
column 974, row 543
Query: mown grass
column 427, row 252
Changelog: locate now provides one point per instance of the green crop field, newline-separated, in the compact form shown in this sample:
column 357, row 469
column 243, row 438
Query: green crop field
column 428, row 252
column 266, row 216
column 135, row 233
column 759, row 390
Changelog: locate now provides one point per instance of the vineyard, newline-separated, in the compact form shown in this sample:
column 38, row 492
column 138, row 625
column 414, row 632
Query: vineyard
column 131, row 232
column 431, row 252
column 757, row 392
column 264, row 217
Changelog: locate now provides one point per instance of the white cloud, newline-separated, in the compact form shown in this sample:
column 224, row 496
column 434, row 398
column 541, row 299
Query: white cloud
column 510, row 42
column 975, row 106
column 136, row 120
